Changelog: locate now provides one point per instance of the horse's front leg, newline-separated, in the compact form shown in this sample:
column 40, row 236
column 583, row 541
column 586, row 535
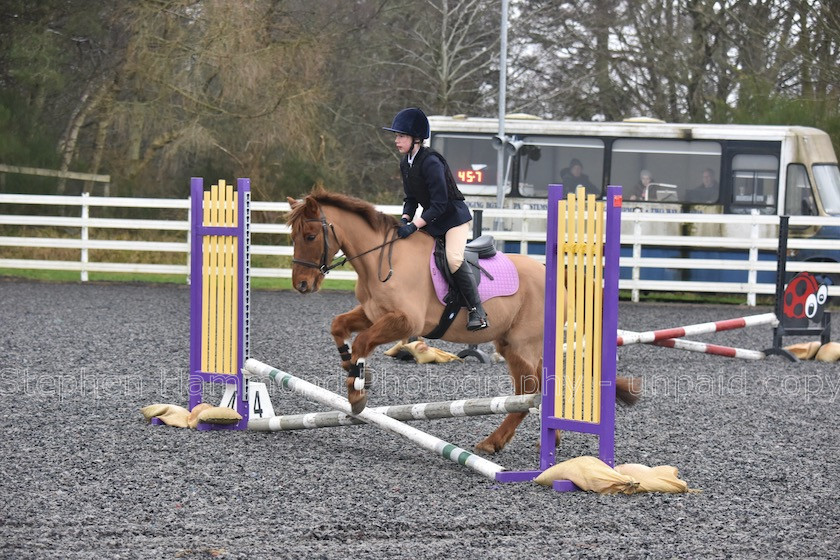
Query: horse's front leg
column 343, row 327
column 388, row 328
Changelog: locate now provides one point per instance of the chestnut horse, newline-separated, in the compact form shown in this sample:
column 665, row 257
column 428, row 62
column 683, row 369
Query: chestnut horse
column 398, row 301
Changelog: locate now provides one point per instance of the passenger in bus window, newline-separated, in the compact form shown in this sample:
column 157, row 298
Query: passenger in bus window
column 641, row 190
column 706, row 191
column 743, row 192
column 808, row 206
column 573, row 177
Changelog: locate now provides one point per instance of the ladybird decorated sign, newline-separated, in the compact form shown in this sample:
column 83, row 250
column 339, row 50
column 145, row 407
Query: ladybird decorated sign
column 804, row 300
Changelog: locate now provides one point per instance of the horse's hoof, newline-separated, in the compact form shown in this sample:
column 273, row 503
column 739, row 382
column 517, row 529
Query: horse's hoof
column 486, row 448
column 358, row 399
column 359, row 405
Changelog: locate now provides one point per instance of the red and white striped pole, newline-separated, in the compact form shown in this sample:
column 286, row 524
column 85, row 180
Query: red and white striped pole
column 705, row 348
column 672, row 338
column 626, row 338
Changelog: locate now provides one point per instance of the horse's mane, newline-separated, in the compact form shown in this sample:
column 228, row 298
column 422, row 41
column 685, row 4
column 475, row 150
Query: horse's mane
column 365, row 210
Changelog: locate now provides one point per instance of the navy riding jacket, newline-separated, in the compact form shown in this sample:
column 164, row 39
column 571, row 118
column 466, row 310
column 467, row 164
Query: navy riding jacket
column 428, row 182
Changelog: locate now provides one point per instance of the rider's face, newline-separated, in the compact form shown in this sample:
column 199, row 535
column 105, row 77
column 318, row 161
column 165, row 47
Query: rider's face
column 404, row 142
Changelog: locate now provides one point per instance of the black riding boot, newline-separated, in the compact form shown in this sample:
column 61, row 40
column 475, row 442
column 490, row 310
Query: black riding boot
column 466, row 284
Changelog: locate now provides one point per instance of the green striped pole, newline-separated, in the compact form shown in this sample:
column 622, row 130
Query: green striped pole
column 370, row 416
column 401, row 412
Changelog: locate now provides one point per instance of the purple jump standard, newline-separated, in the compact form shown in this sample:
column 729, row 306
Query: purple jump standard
column 563, row 250
column 219, row 291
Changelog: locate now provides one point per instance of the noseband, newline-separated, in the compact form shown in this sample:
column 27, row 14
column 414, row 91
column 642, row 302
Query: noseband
column 325, row 267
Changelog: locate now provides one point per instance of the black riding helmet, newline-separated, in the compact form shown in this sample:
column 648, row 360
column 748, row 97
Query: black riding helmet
column 411, row 121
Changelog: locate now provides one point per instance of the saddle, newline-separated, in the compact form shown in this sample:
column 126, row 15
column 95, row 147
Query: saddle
column 482, row 247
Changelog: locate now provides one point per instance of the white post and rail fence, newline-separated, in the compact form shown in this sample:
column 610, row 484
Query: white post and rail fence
column 44, row 222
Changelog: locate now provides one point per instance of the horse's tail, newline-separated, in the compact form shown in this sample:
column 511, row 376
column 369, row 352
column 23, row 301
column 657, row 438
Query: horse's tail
column 628, row 389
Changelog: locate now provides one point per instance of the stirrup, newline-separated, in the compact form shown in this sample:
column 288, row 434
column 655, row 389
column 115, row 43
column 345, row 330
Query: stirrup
column 476, row 321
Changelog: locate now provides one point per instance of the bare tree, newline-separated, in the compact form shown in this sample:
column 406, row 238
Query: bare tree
column 289, row 92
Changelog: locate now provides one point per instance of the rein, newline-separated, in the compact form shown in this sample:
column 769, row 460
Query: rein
column 324, row 267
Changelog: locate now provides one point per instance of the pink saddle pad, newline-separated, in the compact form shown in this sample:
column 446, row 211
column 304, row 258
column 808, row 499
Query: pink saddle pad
column 505, row 280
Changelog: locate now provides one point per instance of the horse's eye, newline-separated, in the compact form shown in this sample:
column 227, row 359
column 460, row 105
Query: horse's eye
column 310, row 237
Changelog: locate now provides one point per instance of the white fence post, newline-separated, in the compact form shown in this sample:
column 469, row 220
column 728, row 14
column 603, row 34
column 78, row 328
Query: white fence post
column 85, row 235
column 189, row 238
column 752, row 275
column 637, row 254
column 523, row 246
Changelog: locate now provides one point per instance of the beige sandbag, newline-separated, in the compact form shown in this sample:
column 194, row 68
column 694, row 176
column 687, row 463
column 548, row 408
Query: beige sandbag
column 153, row 410
column 175, row 416
column 804, row 350
column 192, row 419
column 442, row 356
column 589, row 473
column 395, row 349
column 828, row 352
column 425, row 354
column 655, row 479
column 219, row 415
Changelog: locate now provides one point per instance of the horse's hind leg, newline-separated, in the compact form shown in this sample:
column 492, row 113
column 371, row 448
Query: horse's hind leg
column 525, row 375
column 343, row 327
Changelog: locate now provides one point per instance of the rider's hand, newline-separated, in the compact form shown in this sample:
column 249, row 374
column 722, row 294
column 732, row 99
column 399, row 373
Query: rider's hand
column 406, row 230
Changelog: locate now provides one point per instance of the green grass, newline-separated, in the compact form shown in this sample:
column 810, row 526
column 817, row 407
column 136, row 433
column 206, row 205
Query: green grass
column 69, row 276
column 685, row 297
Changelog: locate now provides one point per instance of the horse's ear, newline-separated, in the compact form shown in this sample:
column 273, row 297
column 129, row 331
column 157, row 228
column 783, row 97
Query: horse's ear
column 311, row 206
column 292, row 202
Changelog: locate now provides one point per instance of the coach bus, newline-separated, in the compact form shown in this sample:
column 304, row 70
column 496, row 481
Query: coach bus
column 662, row 167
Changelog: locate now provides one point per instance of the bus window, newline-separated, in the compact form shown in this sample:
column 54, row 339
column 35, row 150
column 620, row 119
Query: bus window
column 546, row 160
column 754, row 183
column 827, row 177
column 472, row 159
column 799, row 200
column 675, row 167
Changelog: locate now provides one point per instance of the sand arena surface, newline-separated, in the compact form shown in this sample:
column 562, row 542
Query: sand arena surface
column 85, row 477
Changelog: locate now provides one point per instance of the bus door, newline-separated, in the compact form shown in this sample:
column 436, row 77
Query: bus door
column 751, row 184
column 752, row 170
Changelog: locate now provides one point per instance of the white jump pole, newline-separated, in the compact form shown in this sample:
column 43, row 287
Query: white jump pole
column 429, row 442
column 401, row 412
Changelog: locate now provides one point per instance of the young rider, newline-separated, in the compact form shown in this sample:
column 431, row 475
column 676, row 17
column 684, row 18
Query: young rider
column 428, row 182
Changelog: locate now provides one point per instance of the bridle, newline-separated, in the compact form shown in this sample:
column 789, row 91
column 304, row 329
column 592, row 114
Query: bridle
column 325, row 267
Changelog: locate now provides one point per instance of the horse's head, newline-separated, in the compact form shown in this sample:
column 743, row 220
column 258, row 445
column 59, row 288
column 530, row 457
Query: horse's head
column 361, row 227
column 314, row 243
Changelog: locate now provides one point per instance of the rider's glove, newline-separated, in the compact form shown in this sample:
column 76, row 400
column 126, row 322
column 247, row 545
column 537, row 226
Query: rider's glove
column 406, row 230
